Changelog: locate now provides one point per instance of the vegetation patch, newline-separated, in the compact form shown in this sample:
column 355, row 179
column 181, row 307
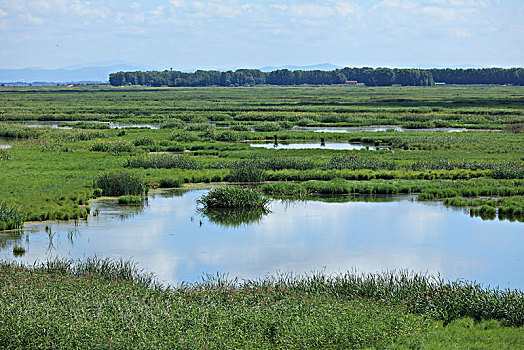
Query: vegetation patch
column 389, row 310
column 130, row 200
column 10, row 217
column 120, row 183
column 233, row 197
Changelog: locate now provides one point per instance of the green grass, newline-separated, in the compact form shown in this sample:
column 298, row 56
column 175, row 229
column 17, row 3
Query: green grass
column 233, row 197
column 65, row 304
column 467, row 334
column 120, row 183
column 10, row 217
column 130, row 200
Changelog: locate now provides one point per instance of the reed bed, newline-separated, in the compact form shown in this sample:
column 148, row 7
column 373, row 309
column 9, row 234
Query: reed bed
column 120, row 183
column 233, row 197
column 130, row 200
column 350, row 310
column 10, row 217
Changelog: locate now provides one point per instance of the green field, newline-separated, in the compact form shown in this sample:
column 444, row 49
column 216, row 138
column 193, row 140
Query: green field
column 51, row 174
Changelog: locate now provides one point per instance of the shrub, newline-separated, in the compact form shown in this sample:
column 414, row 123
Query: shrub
column 120, row 183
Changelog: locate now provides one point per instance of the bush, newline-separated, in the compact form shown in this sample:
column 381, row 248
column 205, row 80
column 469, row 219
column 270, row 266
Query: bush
column 120, row 183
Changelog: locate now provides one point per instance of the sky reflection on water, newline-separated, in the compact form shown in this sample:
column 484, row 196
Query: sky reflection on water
column 170, row 238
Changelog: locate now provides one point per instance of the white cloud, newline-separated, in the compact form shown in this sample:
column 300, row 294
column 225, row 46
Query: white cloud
column 34, row 20
column 158, row 11
column 3, row 13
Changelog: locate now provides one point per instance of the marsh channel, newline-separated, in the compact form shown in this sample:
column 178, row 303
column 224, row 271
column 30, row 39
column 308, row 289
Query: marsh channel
column 169, row 236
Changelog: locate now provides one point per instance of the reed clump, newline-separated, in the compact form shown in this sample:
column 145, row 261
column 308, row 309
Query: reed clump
column 130, row 200
column 10, row 217
column 233, row 197
column 248, row 171
column 120, row 183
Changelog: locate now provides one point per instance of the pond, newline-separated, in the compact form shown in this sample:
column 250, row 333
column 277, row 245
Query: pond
column 171, row 238
column 378, row 129
column 6, row 142
column 316, row 145
column 58, row 124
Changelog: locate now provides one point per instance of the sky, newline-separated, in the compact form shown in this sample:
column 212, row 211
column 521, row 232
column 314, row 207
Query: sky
column 225, row 34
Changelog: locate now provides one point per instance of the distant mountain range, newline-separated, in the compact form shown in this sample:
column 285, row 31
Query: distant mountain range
column 323, row 66
column 91, row 74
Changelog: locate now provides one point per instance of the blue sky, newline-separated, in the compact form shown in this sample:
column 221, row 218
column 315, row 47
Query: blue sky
column 251, row 33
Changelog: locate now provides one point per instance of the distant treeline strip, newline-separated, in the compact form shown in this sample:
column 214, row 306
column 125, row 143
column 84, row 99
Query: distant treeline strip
column 367, row 76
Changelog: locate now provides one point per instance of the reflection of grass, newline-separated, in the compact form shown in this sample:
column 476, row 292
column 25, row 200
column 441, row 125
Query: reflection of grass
column 18, row 250
column 235, row 217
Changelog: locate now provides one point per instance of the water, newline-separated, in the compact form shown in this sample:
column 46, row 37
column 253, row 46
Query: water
column 170, row 238
column 6, row 142
column 379, row 129
column 316, row 145
column 66, row 124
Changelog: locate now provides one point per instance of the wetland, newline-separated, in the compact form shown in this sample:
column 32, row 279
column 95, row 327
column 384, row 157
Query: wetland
column 413, row 209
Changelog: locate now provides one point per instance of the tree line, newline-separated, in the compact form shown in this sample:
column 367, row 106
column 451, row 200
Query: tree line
column 365, row 75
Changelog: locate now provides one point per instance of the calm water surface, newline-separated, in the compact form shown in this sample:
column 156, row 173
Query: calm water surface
column 170, row 238
column 316, row 145
column 379, row 129
column 6, row 142
column 59, row 124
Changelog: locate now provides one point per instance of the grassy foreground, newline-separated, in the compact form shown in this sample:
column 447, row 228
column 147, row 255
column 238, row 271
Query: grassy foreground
column 110, row 304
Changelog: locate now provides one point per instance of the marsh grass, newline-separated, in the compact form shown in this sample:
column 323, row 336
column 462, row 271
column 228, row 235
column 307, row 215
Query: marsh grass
column 233, row 197
column 248, row 171
column 130, row 200
column 10, row 217
column 170, row 182
column 165, row 161
column 120, row 183
column 103, row 303
column 18, row 250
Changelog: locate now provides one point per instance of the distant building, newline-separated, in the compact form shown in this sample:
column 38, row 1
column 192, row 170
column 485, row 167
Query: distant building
column 440, row 83
column 351, row 82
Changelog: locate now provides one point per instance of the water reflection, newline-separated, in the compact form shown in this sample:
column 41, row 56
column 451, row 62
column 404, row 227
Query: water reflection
column 67, row 124
column 234, row 217
column 171, row 238
column 316, row 145
column 6, row 142
column 383, row 128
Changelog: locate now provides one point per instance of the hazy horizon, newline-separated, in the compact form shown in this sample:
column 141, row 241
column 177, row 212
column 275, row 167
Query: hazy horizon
column 229, row 34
